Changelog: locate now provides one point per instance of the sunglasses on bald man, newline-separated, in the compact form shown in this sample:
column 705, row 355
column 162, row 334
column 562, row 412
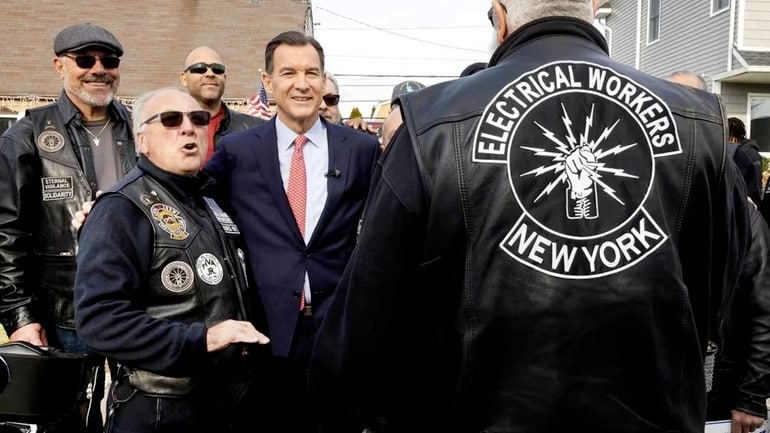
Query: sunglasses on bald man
column 201, row 68
column 171, row 119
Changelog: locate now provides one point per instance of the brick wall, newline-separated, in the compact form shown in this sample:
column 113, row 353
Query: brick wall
column 156, row 36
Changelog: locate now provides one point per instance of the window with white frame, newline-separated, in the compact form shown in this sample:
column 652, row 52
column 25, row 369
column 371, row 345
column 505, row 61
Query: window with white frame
column 759, row 120
column 653, row 21
column 719, row 5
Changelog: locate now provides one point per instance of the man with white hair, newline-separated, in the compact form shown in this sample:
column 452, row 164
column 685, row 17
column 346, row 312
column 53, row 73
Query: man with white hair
column 542, row 249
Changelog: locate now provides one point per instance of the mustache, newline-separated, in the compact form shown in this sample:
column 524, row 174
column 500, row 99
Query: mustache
column 93, row 78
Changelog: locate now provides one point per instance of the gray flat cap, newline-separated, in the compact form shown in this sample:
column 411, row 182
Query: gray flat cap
column 79, row 36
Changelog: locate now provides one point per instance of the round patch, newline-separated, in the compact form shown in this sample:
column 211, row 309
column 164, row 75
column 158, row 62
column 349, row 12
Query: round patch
column 170, row 220
column 177, row 276
column 209, row 269
column 50, row 141
column 580, row 143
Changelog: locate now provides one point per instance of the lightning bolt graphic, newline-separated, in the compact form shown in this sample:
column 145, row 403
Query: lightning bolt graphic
column 562, row 177
column 542, row 152
column 606, row 133
column 614, row 151
column 615, row 171
column 596, row 177
column 568, row 124
column 551, row 136
column 543, row 169
column 589, row 124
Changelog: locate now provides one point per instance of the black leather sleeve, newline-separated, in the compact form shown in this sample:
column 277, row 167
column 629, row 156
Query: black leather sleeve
column 19, row 201
column 754, row 384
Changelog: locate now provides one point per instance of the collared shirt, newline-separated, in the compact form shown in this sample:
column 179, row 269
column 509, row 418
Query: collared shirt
column 316, row 155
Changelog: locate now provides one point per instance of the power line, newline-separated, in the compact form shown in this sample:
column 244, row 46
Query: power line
column 402, row 28
column 353, row 56
column 398, row 34
column 394, row 76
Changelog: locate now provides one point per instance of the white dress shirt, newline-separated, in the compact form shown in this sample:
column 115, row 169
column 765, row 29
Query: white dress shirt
column 316, row 155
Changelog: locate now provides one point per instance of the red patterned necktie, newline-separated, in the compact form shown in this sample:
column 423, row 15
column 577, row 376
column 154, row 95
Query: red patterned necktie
column 297, row 193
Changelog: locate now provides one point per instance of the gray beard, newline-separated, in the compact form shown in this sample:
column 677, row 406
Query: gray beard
column 92, row 100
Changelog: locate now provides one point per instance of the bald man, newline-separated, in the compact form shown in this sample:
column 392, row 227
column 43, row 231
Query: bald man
column 204, row 76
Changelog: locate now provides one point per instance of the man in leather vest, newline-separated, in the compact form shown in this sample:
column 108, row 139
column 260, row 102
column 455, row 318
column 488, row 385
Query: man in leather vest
column 52, row 161
column 545, row 247
column 161, row 284
column 204, row 77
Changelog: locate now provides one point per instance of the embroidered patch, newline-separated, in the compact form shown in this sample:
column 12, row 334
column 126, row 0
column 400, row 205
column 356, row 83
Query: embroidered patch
column 209, row 269
column 177, row 276
column 170, row 220
column 586, row 139
column 57, row 188
column 50, row 141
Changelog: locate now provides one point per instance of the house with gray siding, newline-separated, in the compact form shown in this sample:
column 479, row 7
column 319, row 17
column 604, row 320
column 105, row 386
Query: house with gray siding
column 726, row 41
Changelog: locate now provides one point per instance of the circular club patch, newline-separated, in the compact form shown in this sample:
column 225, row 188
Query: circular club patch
column 50, row 141
column 209, row 269
column 170, row 220
column 177, row 276
column 580, row 142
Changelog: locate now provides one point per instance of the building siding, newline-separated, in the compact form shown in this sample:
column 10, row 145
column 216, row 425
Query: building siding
column 756, row 21
column 622, row 23
column 683, row 44
column 156, row 37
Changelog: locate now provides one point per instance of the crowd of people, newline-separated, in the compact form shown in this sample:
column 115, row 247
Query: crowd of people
column 552, row 239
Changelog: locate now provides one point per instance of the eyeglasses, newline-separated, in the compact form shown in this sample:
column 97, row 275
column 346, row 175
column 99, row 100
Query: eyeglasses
column 331, row 100
column 201, row 68
column 171, row 119
column 493, row 17
column 85, row 61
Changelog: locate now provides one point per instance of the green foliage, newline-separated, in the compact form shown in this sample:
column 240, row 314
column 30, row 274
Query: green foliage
column 765, row 164
column 355, row 113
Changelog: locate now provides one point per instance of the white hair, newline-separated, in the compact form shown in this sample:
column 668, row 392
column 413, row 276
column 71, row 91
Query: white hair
column 137, row 111
column 521, row 12
column 333, row 79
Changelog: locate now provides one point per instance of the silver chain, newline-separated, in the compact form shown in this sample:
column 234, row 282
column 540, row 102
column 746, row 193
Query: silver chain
column 96, row 136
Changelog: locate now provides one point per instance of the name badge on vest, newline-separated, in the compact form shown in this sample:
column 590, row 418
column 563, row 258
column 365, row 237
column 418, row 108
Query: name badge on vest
column 224, row 219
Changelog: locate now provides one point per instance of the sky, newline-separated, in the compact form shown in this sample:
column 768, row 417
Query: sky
column 426, row 41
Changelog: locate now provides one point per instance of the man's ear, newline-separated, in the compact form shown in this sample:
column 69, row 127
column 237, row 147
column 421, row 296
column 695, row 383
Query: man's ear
column 267, row 82
column 183, row 79
column 502, row 21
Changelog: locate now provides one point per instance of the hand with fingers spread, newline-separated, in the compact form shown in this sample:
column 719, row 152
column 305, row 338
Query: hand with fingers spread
column 224, row 334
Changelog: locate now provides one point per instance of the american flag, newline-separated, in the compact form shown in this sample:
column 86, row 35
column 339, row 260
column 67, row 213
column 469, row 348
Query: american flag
column 258, row 105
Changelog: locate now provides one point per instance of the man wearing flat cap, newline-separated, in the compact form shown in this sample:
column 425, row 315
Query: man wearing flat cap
column 57, row 157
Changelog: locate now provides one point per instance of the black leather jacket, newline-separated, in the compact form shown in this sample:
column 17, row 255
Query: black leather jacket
column 547, row 243
column 742, row 373
column 46, row 173
column 181, row 272
column 234, row 121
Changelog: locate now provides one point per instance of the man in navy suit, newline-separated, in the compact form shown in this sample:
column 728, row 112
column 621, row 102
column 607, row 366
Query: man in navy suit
column 296, row 187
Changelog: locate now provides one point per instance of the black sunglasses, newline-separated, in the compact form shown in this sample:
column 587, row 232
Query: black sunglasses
column 85, row 61
column 201, row 68
column 331, row 100
column 171, row 119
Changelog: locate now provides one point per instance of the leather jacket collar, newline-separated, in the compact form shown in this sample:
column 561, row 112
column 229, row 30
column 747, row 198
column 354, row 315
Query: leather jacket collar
column 548, row 27
column 182, row 187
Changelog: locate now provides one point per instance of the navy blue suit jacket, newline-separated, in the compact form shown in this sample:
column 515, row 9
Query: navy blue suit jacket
column 246, row 169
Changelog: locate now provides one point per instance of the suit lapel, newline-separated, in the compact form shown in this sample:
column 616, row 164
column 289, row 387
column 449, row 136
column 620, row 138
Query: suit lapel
column 339, row 159
column 266, row 155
